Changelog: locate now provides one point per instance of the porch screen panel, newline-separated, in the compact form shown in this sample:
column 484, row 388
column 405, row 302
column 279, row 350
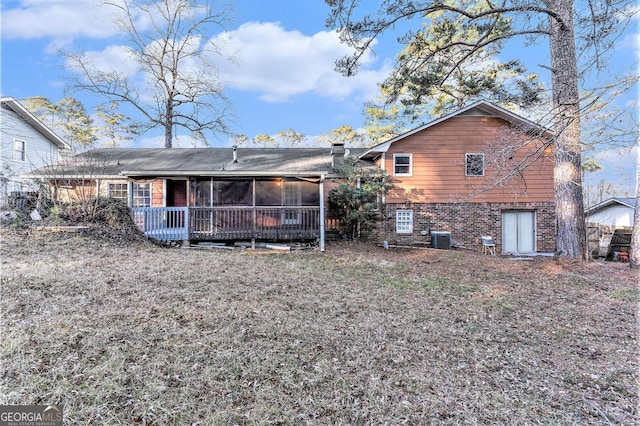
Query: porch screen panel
column 309, row 194
column 268, row 192
column 232, row 192
column 201, row 193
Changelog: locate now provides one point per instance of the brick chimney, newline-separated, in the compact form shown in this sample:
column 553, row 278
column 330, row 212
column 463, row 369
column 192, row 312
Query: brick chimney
column 337, row 154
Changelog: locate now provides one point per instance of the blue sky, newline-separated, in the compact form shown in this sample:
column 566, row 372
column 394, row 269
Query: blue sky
column 285, row 77
column 271, row 89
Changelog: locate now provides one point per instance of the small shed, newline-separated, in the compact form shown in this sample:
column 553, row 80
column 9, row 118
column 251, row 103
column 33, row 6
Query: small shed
column 617, row 212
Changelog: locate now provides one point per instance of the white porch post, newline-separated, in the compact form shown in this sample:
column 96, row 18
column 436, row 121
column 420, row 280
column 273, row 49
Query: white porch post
column 321, row 190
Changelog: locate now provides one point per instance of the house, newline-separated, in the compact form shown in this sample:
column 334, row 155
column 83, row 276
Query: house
column 615, row 212
column 480, row 171
column 26, row 144
column 210, row 194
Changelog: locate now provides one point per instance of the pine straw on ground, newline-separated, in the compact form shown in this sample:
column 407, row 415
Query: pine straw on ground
column 137, row 334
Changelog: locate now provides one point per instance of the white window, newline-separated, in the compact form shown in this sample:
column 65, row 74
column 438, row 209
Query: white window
column 19, row 150
column 474, row 164
column 404, row 221
column 141, row 194
column 117, row 190
column 402, row 164
column 16, row 186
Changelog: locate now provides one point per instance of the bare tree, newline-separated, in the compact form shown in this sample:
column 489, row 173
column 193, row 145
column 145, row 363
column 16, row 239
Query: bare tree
column 240, row 139
column 291, row 138
column 346, row 135
column 114, row 129
column 264, row 140
column 169, row 45
column 597, row 26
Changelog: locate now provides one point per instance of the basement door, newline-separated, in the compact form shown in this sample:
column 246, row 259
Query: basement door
column 518, row 232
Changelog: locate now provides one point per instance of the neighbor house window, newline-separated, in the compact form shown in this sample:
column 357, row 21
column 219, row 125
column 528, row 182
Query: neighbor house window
column 19, row 150
column 16, row 186
column 141, row 194
column 404, row 221
column 402, row 164
column 474, row 164
column 117, row 190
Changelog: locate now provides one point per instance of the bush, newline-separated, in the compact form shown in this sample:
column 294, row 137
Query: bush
column 357, row 199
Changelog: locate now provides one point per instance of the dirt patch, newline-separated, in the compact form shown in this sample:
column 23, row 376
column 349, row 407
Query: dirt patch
column 130, row 333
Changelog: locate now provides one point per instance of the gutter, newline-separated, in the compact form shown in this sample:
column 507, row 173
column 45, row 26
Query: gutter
column 227, row 173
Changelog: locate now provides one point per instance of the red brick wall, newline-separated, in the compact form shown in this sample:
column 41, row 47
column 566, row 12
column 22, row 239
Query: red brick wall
column 467, row 222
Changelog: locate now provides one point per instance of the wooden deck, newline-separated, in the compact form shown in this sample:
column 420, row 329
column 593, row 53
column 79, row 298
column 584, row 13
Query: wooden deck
column 228, row 223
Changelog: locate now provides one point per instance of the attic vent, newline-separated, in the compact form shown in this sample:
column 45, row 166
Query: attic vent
column 441, row 240
column 235, row 153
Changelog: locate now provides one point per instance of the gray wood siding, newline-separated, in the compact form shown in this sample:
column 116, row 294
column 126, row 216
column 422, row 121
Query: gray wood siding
column 39, row 150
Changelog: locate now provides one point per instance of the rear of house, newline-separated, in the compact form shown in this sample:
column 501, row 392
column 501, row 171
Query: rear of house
column 209, row 194
column 481, row 171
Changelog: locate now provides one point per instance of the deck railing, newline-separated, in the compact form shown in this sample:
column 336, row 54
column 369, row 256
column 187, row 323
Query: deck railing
column 273, row 223
column 228, row 223
column 163, row 223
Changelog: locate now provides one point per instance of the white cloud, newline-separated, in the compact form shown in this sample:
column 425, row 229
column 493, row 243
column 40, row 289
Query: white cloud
column 280, row 64
column 112, row 58
column 56, row 19
column 277, row 64
column 631, row 42
column 148, row 142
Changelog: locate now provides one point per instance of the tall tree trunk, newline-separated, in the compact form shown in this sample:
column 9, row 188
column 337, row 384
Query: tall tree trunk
column 571, row 231
column 168, row 130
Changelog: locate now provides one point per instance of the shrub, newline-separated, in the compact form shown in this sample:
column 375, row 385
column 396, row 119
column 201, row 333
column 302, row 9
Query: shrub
column 357, row 199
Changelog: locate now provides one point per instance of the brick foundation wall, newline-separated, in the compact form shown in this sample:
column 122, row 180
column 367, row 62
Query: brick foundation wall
column 467, row 222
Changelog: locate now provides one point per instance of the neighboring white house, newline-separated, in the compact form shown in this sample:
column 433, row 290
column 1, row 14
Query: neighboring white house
column 618, row 212
column 26, row 144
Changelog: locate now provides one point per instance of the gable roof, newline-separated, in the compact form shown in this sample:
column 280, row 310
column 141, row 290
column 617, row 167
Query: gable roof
column 27, row 116
column 481, row 107
column 622, row 201
column 140, row 162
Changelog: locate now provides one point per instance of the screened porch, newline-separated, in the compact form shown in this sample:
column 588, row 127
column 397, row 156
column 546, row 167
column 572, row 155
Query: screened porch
column 271, row 209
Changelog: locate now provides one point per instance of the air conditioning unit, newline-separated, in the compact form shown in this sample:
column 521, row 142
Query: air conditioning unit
column 441, row 240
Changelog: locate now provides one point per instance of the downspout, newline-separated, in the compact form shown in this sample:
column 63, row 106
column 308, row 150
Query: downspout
column 187, row 218
column 383, row 166
column 254, row 215
column 95, row 204
column 321, row 189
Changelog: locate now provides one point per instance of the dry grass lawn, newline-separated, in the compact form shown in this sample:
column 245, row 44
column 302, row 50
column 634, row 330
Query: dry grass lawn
column 137, row 334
